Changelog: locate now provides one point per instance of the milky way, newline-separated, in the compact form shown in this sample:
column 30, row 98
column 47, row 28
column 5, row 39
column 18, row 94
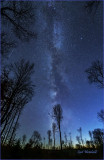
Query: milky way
column 68, row 41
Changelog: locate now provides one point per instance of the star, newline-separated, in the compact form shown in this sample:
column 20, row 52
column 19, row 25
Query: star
column 81, row 38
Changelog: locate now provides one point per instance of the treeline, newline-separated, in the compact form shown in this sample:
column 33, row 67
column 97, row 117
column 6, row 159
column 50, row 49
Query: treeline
column 36, row 141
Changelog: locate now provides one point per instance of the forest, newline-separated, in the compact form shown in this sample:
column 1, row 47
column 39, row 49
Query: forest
column 18, row 89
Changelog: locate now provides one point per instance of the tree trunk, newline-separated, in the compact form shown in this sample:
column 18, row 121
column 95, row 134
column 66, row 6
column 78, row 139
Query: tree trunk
column 54, row 141
column 60, row 140
column 14, row 129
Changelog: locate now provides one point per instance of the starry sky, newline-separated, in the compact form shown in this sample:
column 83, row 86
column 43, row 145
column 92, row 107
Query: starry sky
column 69, row 40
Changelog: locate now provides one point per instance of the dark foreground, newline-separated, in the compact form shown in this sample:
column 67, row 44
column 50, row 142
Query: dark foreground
column 18, row 153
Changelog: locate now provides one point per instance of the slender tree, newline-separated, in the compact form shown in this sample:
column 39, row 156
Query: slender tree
column 54, row 128
column 91, row 138
column 78, row 139
column 44, row 141
column 36, row 139
column 70, row 141
column 23, row 140
column 17, row 90
column 49, row 137
column 66, row 140
column 80, row 131
column 57, row 115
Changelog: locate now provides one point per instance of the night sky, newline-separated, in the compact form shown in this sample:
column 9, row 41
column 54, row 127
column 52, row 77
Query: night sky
column 68, row 40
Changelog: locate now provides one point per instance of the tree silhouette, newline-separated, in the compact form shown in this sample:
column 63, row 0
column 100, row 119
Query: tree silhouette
column 66, row 140
column 44, row 141
column 57, row 115
column 101, row 115
column 54, row 128
column 91, row 138
column 88, row 144
column 23, row 140
column 36, row 139
column 16, row 18
column 80, row 131
column 95, row 73
column 70, row 141
column 17, row 90
column 78, row 139
column 49, row 137
column 98, row 137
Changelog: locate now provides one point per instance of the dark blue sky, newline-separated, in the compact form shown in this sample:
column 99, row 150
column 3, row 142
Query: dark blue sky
column 69, row 40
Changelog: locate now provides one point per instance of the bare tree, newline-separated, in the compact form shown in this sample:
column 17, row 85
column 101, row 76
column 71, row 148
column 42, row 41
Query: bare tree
column 66, row 140
column 91, row 138
column 98, row 137
column 49, row 137
column 17, row 18
column 17, row 90
column 54, row 128
column 78, row 139
column 23, row 140
column 70, row 141
column 36, row 138
column 101, row 115
column 95, row 74
column 57, row 115
column 90, row 134
column 80, row 131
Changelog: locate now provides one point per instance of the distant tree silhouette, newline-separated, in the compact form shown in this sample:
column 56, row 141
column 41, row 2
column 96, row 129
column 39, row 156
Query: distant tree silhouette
column 66, row 140
column 95, row 73
column 57, row 115
column 78, row 146
column 44, row 141
column 88, row 144
column 91, row 138
column 23, row 140
column 49, row 137
column 98, row 137
column 16, row 18
column 17, row 90
column 36, row 139
column 70, row 141
column 51, row 143
column 62, row 142
column 18, row 143
column 90, row 134
column 101, row 115
column 78, row 139
column 54, row 128
column 30, row 143
column 80, row 131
